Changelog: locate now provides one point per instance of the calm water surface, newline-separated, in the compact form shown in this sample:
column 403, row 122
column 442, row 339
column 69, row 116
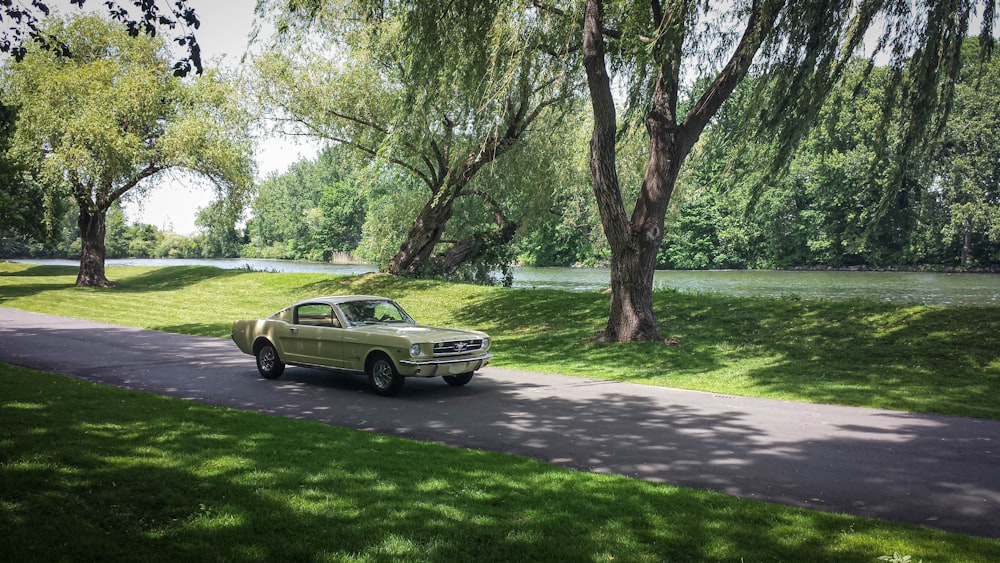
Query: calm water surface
column 895, row 287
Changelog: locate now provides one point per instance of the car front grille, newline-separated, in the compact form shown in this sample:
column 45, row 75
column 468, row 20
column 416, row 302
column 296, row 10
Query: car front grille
column 458, row 346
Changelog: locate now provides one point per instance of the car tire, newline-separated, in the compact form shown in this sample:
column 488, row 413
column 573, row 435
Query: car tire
column 269, row 364
column 458, row 380
column 383, row 377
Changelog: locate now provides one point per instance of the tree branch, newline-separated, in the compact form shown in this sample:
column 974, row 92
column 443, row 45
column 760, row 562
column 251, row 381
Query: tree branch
column 114, row 195
column 762, row 19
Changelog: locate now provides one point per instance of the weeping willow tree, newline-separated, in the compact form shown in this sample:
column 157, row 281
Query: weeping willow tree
column 108, row 118
column 672, row 65
column 441, row 90
column 677, row 62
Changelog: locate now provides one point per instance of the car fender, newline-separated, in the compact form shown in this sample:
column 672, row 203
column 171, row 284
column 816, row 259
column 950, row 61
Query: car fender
column 261, row 341
column 383, row 351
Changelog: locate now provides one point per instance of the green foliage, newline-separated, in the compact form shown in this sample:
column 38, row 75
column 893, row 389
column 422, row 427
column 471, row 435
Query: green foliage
column 314, row 209
column 219, row 237
column 116, row 241
column 692, row 240
column 443, row 92
column 391, row 209
column 108, row 116
column 19, row 198
column 968, row 181
column 830, row 207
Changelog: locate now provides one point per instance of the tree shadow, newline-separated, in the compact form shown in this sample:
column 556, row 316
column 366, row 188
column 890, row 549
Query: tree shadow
column 923, row 359
column 167, row 278
column 170, row 278
column 927, row 359
column 42, row 270
column 556, row 328
column 395, row 287
column 12, row 292
column 17, row 289
column 218, row 485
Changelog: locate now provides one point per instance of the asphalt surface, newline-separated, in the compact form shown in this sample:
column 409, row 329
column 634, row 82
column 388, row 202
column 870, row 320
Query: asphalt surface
column 937, row 471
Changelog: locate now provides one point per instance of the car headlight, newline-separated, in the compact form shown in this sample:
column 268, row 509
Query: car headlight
column 414, row 350
column 486, row 343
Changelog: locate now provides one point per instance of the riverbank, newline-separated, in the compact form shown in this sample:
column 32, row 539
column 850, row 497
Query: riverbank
column 940, row 269
column 919, row 358
column 926, row 288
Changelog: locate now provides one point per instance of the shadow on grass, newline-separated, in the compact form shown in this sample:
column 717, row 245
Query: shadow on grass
column 13, row 292
column 12, row 288
column 171, row 278
column 159, row 279
column 42, row 271
column 916, row 358
column 921, row 359
column 395, row 287
column 159, row 480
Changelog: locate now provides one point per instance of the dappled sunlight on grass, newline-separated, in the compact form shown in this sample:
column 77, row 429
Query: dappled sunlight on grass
column 133, row 476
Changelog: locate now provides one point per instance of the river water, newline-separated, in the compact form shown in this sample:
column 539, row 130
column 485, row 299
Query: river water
column 894, row 287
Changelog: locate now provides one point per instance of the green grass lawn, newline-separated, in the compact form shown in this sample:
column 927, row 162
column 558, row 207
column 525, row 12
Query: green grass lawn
column 913, row 358
column 96, row 473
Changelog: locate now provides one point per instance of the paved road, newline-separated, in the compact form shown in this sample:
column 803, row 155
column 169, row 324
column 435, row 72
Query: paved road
column 941, row 472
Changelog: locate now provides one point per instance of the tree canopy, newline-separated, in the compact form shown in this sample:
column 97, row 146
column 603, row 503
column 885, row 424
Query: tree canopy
column 679, row 62
column 438, row 91
column 110, row 117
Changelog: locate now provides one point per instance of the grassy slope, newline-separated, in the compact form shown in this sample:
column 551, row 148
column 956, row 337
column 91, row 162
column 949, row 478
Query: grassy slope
column 912, row 358
column 90, row 472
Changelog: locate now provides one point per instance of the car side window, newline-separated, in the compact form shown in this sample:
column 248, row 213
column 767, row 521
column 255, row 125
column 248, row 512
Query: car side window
column 316, row 314
column 353, row 312
column 387, row 312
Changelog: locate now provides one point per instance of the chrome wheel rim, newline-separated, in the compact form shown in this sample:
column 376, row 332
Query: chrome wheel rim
column 267, row 359
column 382, row 374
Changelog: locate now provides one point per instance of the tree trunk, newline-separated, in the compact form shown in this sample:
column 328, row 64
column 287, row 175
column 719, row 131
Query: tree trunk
column 476, row 246
column 414, row 256
column 635, row 242
column 417, row 251
column 93, row 227
column 966, row 242
column 631, row 316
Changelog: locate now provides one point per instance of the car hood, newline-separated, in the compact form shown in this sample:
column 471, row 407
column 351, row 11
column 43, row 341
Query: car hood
column 421, row 333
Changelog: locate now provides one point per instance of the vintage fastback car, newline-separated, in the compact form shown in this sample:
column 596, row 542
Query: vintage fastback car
column 361, row 333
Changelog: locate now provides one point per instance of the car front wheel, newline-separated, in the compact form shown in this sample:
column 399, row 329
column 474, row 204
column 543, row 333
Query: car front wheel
column 383, row 377
column 458, row 380
column 269, row 364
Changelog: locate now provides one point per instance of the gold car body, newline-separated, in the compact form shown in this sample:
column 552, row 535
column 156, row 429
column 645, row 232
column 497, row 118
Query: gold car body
column 332, row 332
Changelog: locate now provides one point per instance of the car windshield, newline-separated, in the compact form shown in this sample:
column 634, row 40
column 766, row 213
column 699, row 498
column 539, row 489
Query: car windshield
column 361, row 313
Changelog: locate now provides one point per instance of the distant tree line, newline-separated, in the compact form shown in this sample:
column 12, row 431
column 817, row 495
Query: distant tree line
column 826, row 210
column 840, row 199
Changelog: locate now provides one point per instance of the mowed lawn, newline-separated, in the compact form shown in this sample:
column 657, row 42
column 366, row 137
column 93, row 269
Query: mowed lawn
column 94, row 473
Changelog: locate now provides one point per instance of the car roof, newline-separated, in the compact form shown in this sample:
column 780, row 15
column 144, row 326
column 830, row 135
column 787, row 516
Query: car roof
column 338, row 299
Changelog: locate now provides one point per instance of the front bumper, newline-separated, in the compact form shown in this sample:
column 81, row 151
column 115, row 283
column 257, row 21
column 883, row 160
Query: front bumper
column 449, row 366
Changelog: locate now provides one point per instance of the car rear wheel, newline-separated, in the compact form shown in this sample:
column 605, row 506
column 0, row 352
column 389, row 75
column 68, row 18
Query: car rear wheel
column 383, row 377
column 458, row 380
column 269, row 364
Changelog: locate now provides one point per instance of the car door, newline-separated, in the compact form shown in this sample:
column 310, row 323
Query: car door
column 316, row 336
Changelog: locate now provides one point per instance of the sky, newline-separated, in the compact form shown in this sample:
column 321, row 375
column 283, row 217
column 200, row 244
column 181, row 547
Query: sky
column 224, row 32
